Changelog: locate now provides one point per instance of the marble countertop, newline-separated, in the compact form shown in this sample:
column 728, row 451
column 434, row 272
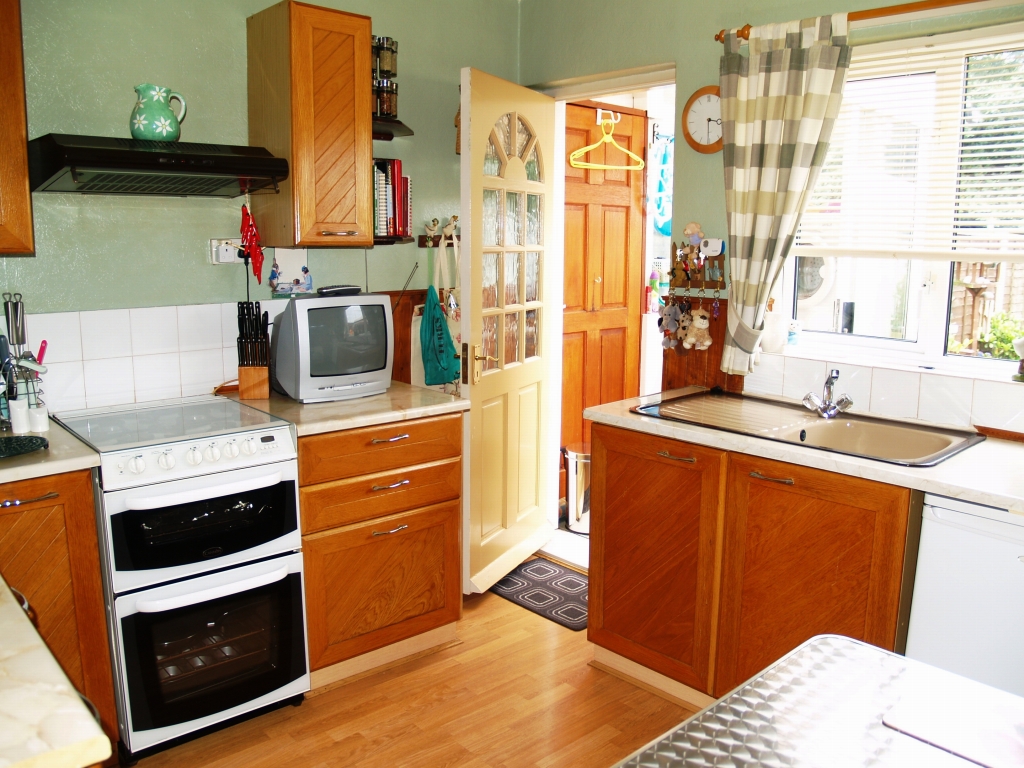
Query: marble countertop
column 43, row 722
column 987, row 473
column 400, row 403
column 66, row 454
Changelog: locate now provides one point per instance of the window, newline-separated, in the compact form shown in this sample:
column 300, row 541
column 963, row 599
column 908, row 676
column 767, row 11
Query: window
column 913, row 240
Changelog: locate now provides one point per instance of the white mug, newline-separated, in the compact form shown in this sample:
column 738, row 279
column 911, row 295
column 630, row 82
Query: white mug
column 39, row 419
column 19, row 415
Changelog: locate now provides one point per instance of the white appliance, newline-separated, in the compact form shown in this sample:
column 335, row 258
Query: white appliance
column 967, row 615
column 198, row 510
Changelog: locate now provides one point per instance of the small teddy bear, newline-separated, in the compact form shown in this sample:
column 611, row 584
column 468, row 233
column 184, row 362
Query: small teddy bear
column 698, row 335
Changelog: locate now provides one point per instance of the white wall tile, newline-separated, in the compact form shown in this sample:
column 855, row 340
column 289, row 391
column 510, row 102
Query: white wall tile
column 767, row 376
column 106, row 333
column 945, row 400
column 157, row 377
column 109, row 382
column 998, row 405
column 201, row 371
column 62, row 332
column 803, row 376
column 228, row 323
column 199, row 327
column 64, row 386
column 154, row 330
column 230, row 357
column 895, row 393
column 854, row 381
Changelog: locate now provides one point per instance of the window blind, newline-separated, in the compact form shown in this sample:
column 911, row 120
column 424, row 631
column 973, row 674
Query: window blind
column 927, row 156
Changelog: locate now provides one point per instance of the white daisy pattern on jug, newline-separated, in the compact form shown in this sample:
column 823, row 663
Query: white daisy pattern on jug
column 140, row 121
column 162, row 125
column 153, row 118
column 158, row 94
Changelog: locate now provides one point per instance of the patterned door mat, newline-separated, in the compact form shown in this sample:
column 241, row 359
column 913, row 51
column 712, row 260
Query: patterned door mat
column 548, row 589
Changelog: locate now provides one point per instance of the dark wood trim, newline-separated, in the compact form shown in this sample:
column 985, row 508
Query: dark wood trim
column 1000, row 434
column 401, row 309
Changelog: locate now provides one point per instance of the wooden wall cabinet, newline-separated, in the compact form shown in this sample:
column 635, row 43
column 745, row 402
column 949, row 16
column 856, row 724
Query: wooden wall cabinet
column 310, row 101
column 709, row 570
column 382, row 533
column 15, row 197
column 49, row 552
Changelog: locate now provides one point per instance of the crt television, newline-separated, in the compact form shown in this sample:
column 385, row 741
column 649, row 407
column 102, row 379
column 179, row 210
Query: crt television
column 333, row 348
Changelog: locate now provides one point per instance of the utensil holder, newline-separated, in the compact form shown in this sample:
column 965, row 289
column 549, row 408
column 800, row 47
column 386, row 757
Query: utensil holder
column 253, row 382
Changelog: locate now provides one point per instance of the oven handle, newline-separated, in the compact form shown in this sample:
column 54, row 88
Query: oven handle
column 187, row 497
column 206, row 595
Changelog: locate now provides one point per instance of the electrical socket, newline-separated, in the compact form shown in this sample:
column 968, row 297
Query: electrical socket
column 226, row 251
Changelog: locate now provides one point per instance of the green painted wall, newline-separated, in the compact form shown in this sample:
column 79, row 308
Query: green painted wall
column 82, row 60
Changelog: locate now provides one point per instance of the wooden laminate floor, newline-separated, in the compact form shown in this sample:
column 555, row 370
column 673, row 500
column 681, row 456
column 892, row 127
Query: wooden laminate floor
column 518, row 691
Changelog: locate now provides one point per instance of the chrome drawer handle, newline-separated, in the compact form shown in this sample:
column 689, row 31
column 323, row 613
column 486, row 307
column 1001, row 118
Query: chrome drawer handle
column 389, row 487
column 342, row 233
column 393, row 530
column 395, row 439
column 783, row 480
column 19, row 502
column 667, row 455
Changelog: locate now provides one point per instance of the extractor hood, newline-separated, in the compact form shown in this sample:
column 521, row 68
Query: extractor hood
column 111, row 166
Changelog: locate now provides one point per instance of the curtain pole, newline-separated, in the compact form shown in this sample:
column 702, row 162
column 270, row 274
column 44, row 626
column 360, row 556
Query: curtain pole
column 874, row 13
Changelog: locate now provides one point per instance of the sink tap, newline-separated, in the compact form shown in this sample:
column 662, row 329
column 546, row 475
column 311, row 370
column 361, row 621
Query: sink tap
column 825, row 406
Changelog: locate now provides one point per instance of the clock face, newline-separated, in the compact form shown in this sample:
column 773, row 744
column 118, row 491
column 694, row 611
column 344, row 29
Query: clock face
column 702, row 120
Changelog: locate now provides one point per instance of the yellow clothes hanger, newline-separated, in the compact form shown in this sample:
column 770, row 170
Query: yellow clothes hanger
column 607, row 129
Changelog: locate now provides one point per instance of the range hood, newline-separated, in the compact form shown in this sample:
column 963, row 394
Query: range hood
column 111, row 166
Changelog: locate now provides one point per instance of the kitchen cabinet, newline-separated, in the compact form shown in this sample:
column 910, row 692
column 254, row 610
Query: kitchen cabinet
column 15, row 198
column 806, row 552
column 706, row 566
column 655, row 521
column 49, row 553
column 381, row 522
column 310, row 101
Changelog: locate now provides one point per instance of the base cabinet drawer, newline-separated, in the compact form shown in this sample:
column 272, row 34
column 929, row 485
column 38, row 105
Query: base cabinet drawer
column 378, row 582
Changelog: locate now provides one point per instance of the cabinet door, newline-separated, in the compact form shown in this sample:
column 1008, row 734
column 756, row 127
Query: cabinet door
column 806, row 552
column 49, row 553
column 332, row 144
column 15, row 199
column 373, row 584
column 655, row 517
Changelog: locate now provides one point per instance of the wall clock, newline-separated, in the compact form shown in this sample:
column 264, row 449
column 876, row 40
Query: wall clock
column 702, row 120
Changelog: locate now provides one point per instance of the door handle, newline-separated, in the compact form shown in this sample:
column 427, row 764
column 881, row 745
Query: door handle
column 206, row 595
column 342, row 233
column 667, row 455
column 393, row 530
column 19, row 502
column 783, row 480
column 478, row 360
column 201, row 494
column 399, row 484
column 395, row 439
column 485, row 357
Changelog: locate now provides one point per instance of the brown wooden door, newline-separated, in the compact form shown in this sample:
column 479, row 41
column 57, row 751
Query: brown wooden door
column 49, row 553
column 806, row 552
column 656, row 507
column 604, row 231
column 15, row 199
column 375, row 583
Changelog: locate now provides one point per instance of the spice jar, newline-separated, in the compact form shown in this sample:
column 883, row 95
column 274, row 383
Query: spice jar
column 387, row 57
column 386, row 92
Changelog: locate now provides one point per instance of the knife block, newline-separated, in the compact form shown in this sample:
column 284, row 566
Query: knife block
column 253, row 382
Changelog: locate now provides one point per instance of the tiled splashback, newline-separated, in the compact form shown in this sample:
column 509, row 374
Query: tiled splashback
column 117, row 356
column 934, row 398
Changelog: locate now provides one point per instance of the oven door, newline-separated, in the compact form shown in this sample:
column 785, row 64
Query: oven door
column 159, row 533
column 200, row 651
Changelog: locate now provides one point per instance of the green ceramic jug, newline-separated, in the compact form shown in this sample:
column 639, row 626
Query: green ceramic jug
column 152, row 117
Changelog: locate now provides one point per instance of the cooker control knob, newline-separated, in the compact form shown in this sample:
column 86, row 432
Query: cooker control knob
column 249, row 447
column 212, row 453
column 166, row 461
column 231, row 449
column 136, row 465
column 194, row 457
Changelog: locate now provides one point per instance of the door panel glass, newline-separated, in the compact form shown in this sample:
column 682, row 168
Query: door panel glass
column 490, row 280
column 533, row 166
column 492, row 160
column 504, row 130
column 511, row 337
column 532, row 277
column 530, row 334
column 492, row 217
column 511, row 278
column 489, row 342
column 533, row 220
column 513, row 218
column 523, row 136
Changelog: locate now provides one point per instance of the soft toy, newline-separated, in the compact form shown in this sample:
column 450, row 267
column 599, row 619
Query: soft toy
column 697, row 335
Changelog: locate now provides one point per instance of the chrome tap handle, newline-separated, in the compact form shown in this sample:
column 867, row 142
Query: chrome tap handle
column 812, row 402
column 829, row 389
column 844, row 403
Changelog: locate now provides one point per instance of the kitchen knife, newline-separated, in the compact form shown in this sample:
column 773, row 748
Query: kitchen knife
column 265, row 338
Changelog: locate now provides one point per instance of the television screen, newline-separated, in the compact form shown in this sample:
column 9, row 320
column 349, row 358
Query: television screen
column 347, row 340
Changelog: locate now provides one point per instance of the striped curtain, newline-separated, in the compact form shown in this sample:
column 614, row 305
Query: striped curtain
column 779, row 104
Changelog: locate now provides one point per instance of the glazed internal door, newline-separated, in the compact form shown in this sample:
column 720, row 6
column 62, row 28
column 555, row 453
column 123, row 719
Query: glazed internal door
column 507, row 149
column 604, row 230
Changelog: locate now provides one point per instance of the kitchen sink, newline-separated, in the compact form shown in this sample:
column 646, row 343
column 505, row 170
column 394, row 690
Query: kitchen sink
column 893, row 442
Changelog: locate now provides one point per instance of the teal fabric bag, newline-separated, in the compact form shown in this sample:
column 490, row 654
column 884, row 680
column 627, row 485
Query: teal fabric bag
column 440, row 366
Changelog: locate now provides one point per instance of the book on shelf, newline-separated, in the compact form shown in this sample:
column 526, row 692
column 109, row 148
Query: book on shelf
column 392, row 200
